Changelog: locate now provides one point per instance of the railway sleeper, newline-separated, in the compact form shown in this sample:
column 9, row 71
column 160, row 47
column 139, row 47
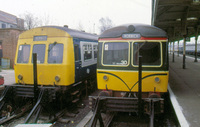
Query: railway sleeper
column 150, row 106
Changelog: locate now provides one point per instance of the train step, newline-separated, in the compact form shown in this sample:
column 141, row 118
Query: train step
column 24, row 91
column 75, row 92
column 75, row 101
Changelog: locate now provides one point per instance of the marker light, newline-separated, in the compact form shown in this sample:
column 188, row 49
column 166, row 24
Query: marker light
column 157, row 79
column 57, row 78
column 20, row 77
column 105, row 78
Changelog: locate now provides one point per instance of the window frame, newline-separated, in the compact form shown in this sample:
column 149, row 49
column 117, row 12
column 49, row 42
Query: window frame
column 121, row 41
column 88, row 50
column 147, row 41
column 88, row 62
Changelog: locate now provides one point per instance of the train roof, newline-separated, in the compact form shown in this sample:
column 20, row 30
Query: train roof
column 142, row 29
column 76, row 33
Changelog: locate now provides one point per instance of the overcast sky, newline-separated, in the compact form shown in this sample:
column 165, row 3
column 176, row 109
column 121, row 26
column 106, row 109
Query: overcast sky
column 82, row 12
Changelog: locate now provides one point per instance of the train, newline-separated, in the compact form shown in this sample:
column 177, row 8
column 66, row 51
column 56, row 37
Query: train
column 65, row 63
column 132, row 71
column 64, row 56
column 190, row 49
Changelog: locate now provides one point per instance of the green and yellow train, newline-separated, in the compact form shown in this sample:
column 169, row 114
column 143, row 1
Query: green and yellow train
column 132, row 71
column 118, row 59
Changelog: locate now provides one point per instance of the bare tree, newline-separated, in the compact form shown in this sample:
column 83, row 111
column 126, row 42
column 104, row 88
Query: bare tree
column 105, row 23
column 31, row 21
column 45, row 20
column 80, row 26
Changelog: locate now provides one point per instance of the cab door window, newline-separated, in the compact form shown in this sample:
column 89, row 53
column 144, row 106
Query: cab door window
column 95, row 49
column 23, row 54
column 55, row 53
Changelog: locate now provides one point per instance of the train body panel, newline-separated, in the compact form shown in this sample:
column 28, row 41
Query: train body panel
column 127, row 81
column 59, row 55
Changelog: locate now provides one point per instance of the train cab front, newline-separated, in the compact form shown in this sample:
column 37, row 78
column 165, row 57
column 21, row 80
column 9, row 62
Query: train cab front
column 118, row 67
column 55, row 62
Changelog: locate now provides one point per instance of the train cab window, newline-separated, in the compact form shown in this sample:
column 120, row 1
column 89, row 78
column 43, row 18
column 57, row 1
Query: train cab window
column 23, row 54
column 55, row 53
column 116, row 53
column 40, row 50
column 87, row 51
column 150, row 52
column 95, row 49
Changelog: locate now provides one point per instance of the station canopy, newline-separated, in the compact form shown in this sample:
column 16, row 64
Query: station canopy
column 179, row 18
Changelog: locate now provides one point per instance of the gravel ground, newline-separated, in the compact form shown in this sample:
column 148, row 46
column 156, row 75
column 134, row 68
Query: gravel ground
column 82, row 110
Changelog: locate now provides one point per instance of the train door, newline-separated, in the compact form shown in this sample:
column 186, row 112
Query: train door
column 77, row 57
column 1, row 52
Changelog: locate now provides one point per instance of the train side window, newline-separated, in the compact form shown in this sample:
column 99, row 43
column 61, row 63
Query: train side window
column 116, row 53
column 87, row 51
column 55, row 53
column 95, row 49
column 150, row 52
column 76, row 52
column 23, row 54
column 40, row 50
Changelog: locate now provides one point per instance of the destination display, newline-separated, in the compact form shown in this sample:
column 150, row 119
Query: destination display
column 39, row 38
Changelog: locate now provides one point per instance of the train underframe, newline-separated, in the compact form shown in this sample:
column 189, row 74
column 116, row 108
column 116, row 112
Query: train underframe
column 18, row 99
column 151, row 105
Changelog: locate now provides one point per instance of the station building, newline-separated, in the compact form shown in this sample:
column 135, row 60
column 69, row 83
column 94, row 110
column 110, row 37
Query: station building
column 10, row 28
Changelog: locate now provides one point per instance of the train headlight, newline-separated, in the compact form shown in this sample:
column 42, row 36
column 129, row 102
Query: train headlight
column 20, row 77
column 157, row 79
column 105, row 77
column 57, row 78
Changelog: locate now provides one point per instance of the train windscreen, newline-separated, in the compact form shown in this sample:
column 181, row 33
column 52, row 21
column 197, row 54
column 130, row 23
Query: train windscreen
column 40, row 50
column 116, row 53
column 150, row 52
column 23, row 54
column 55, row 53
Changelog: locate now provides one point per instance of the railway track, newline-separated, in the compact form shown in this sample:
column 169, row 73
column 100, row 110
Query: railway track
column 61, row 118
column 122, row 119
column 69, row 116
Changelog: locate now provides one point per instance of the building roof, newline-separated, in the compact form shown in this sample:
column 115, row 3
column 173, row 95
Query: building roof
column 8, row 18
column 177, row 17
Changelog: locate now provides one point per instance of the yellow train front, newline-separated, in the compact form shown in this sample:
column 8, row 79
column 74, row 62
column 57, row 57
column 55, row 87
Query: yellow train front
column 117, row 68
column 53, row 67
column 64, row 56
column 66, row 64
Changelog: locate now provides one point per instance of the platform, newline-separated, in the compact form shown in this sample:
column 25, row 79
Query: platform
column 185, row 85
column 9, row 76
